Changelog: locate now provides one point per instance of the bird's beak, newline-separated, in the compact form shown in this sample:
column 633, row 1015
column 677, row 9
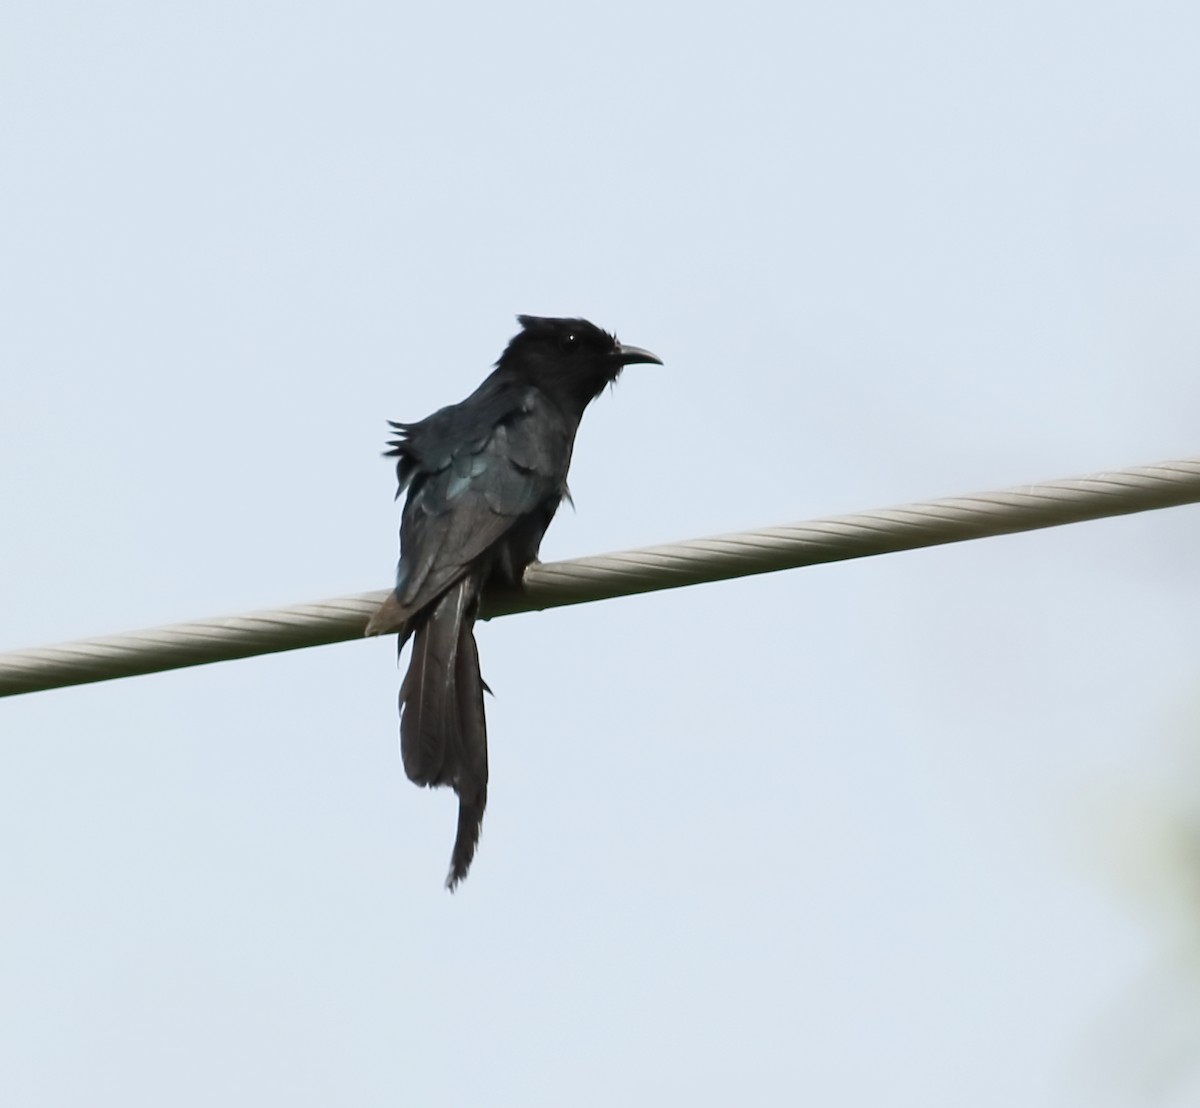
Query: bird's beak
column 628, row 355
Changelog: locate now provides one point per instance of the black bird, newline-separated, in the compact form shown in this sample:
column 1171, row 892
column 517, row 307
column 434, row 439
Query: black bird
column 484, row 479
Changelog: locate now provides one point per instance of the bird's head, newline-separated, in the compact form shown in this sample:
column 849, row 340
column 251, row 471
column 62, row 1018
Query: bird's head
column 570, row 359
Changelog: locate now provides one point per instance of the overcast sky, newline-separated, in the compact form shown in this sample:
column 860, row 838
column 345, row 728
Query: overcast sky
column 914, row 830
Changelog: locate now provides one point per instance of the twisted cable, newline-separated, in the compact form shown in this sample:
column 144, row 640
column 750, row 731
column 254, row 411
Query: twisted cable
column 626, row 573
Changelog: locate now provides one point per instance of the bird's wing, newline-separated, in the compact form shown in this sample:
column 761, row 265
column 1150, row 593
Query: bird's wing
column 472, row 480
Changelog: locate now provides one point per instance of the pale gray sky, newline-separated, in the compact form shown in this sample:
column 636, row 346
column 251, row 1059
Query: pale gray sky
column 901, row 831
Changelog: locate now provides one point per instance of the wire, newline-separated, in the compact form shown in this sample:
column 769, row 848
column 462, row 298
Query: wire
column 886, row 530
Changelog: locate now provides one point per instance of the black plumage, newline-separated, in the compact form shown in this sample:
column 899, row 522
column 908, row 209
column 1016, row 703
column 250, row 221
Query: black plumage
column 484, row 479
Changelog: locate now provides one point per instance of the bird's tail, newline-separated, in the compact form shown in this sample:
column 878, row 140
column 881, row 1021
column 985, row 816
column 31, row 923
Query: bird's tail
column 443, row 733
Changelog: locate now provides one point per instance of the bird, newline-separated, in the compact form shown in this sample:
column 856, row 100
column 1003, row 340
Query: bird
column 484, row 478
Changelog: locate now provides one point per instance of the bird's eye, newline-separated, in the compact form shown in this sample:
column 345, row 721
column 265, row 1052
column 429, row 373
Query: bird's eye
column 569, row 342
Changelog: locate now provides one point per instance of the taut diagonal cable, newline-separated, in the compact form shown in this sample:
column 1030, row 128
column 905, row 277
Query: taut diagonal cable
column 694, row 562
